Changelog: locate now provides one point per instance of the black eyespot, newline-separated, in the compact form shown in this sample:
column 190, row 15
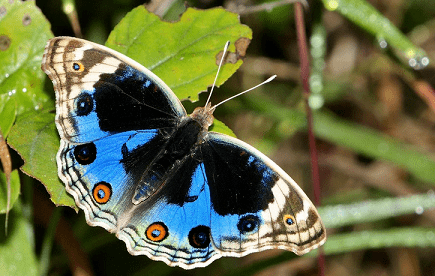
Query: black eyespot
column 248, row 224
column 84, row 104
column 199, row 237
column 85, row 154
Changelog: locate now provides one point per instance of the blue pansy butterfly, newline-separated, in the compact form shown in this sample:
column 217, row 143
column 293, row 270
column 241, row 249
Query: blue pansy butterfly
column 142, row 168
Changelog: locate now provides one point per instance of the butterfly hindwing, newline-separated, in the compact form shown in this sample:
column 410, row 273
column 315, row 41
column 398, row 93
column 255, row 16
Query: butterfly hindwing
column 99, row 175
column 181, row 219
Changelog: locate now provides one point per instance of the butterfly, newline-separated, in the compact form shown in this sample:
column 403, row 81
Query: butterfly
column 140, row 167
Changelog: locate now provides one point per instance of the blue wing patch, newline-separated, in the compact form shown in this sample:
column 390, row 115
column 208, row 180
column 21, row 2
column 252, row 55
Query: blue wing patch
column 181, row 232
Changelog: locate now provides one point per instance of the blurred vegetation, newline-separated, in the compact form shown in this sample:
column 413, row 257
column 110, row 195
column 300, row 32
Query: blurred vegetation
column 372, row 82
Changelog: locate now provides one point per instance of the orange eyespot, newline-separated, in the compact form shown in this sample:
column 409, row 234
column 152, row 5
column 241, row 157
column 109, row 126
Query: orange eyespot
column 289, row 219
column 78, row 66
column 102, row 192
column 157, row 232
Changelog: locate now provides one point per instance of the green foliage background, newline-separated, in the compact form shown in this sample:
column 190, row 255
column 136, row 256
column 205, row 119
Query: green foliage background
column 373, row 114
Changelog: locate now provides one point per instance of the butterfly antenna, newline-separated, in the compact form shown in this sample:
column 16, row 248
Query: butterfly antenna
column 241, row 93
column 219, row 68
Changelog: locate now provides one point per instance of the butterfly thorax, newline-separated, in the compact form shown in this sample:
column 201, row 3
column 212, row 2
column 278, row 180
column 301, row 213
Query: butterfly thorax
column 203, row 115
column 180, row 145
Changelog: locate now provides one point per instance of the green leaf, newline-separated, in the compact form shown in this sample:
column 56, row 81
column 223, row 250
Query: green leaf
column 374, row 144
column 15, row 190
column 7, row 116
column 367, row 17
column 21, row 49
column 396, row 237
column 220, row 127
column 174, row 11
column 374, row 210
column 35, row 138
column 17, row 256
column 183, row 54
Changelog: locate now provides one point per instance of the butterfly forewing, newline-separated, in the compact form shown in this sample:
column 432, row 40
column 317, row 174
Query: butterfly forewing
column 100, row 92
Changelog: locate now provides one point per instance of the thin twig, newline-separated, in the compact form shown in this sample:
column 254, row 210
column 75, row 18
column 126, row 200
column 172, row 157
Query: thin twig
column 305, row 74
column 69, row 8
column 6, row 162
column 426, row 92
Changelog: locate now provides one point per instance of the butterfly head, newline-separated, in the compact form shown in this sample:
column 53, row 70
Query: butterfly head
column 204, row 115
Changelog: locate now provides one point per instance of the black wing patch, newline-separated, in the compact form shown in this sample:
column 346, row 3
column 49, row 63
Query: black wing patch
column 239, row 182
column 128, row 100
